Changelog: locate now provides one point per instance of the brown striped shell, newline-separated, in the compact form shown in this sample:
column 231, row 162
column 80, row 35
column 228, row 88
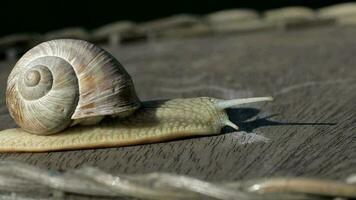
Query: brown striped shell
column 60, row 81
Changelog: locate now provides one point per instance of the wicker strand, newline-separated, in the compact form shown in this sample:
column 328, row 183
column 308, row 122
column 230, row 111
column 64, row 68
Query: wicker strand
column 24, row 181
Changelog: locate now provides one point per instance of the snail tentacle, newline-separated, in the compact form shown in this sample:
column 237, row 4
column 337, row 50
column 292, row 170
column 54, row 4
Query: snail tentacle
column 223, row 104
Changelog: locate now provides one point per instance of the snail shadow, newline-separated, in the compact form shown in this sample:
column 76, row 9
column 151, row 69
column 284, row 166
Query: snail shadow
column 247, row 120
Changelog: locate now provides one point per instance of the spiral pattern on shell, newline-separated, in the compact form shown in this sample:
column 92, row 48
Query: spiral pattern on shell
column 62, row 80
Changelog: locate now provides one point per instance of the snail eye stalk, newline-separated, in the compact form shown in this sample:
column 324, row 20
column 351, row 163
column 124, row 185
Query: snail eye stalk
column 223, row 104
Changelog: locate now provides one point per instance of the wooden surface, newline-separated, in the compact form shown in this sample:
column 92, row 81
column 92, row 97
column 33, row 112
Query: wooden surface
column 309, row 130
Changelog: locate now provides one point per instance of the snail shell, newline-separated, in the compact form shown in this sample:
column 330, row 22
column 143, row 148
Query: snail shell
column 63, row 82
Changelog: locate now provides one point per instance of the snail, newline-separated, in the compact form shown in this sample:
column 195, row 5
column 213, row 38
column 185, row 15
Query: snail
column 60, row 91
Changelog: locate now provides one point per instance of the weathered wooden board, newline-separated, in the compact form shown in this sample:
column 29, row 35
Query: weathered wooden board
column 311, row 131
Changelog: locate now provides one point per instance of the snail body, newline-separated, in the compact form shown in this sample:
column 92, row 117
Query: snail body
column 62, row 83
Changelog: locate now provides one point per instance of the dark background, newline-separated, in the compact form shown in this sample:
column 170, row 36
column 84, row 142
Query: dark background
column 44, row 15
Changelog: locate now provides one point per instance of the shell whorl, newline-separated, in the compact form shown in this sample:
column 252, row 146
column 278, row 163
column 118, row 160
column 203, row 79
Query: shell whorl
column 62, row 80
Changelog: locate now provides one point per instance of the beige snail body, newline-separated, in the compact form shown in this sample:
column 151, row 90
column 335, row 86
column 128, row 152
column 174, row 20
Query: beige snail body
column 62, row 83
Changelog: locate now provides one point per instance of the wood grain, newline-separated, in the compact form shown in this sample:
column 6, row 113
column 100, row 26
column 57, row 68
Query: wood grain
column 312, row 123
